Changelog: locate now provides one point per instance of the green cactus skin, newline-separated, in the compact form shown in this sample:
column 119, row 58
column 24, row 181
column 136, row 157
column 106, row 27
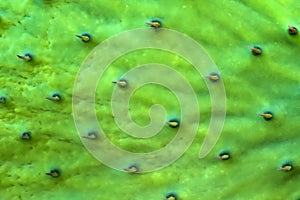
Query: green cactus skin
column 254, row 84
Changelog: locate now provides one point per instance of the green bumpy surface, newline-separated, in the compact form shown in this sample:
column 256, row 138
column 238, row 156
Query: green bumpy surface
column 254, row 84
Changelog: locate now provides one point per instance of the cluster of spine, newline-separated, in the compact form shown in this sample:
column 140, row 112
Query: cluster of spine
column 55, row 97
column 173, row 123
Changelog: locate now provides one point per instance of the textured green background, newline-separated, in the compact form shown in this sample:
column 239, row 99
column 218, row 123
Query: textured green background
column 224, row 28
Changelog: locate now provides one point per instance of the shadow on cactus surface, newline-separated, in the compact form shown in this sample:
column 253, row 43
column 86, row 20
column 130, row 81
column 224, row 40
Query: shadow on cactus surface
column 43, row 45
